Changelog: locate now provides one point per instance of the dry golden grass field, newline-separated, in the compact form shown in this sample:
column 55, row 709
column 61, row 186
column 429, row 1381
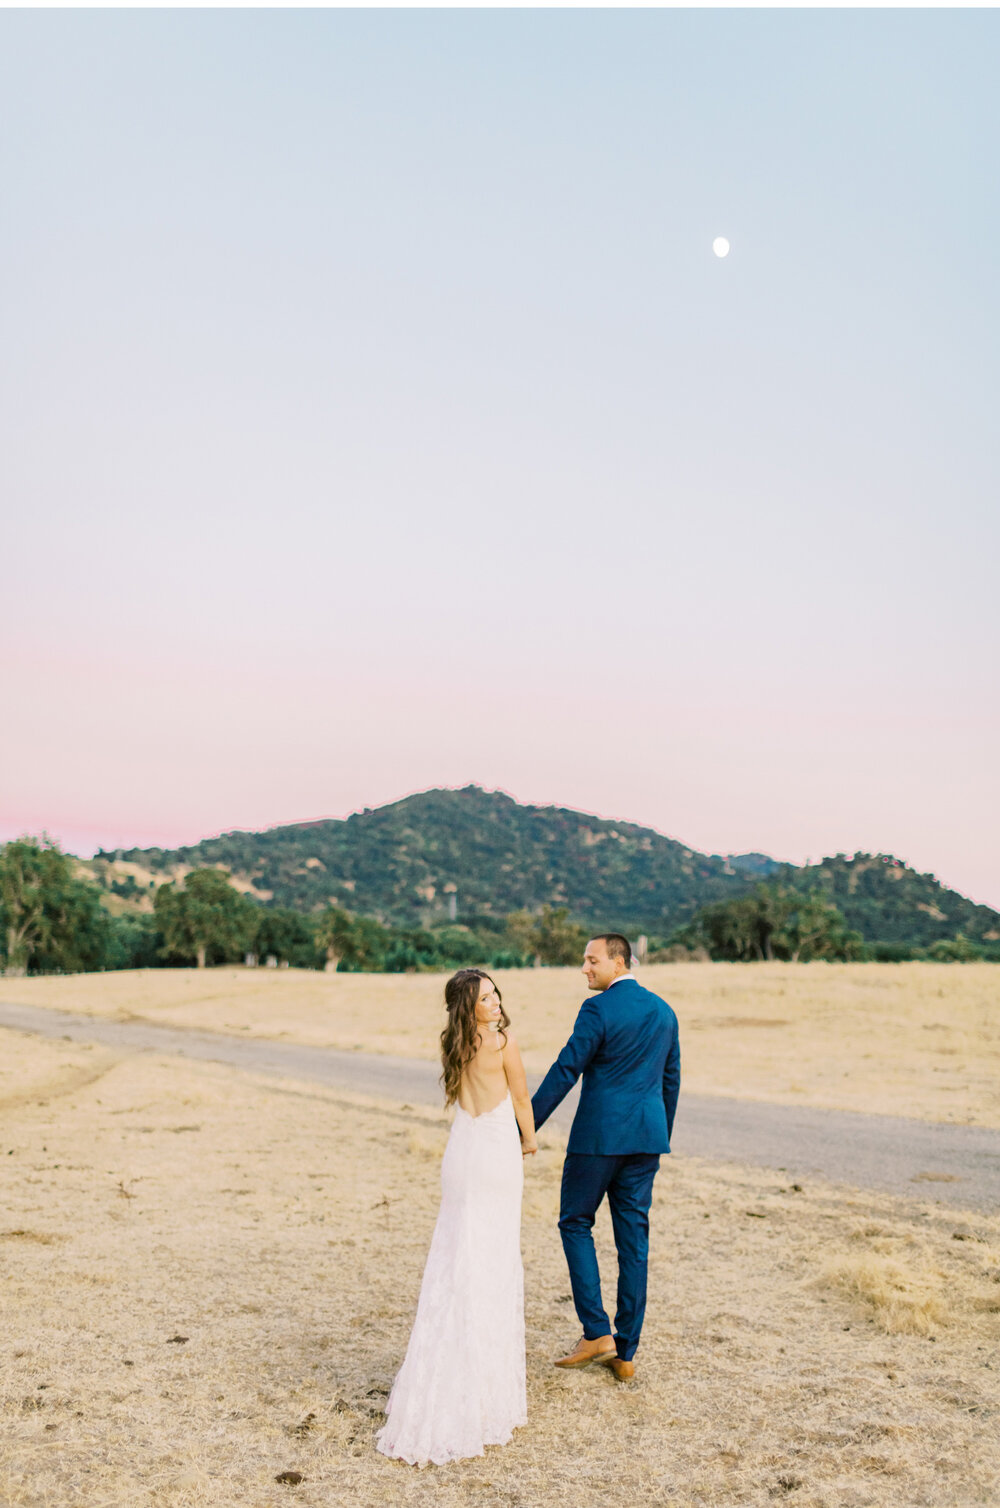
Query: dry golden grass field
column 208, row 1280
column 902, row 1039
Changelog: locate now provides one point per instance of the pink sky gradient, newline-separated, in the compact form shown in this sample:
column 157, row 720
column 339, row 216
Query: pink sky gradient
column 124, row 755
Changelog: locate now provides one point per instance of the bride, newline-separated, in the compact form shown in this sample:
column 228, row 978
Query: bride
column 461, row 1385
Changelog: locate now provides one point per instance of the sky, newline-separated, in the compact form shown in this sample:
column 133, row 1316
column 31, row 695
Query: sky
column 376, row 416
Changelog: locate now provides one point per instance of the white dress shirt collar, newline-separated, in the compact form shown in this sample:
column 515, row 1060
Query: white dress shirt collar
column 618, row 981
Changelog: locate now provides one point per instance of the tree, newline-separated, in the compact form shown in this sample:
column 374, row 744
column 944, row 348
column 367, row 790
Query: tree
column 411, row 950
column 744, row 928
column 813, row 928
column 205, row 913
column 549, row 938
column 287, row 935
column 52, row 922
column 334, row 935
column 775, row 922
column 956, row 949
column 520, row 934
column 24, row 868
column 353, row 943
column 135, row 942
column 557, row 939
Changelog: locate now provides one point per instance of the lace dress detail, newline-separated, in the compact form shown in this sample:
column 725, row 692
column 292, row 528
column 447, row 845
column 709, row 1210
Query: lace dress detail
column 462, row 1383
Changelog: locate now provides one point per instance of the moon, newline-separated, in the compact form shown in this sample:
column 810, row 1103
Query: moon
column 720, row 246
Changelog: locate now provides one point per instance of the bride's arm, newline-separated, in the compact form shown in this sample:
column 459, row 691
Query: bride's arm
column 518, row 1086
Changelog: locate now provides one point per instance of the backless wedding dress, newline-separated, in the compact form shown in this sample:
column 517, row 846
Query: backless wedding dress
column 462, row 1383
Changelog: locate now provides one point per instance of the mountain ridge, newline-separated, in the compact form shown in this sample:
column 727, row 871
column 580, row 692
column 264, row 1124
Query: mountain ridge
column 442, row 854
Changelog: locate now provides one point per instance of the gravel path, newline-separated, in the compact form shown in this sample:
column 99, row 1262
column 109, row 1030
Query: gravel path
column 921, row 1159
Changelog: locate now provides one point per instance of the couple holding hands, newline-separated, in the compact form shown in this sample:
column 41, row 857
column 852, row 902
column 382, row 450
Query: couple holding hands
column 462, row 1383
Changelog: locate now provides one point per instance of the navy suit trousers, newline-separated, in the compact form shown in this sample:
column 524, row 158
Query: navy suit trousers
column 627, row 1179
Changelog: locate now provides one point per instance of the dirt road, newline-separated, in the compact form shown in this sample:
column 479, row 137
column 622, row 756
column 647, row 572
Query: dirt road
column 954, row 1164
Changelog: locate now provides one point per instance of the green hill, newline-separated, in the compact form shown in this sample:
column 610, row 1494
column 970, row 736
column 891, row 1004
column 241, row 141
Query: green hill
column 473, row 853
column 469, row 853
column 888, row 902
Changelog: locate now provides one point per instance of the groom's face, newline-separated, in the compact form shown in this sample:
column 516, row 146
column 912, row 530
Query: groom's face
column 598, row 968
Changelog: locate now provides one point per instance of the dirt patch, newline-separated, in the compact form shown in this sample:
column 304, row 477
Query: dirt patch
column 29, row 1077
column 41, row 1238
column 741, row 1021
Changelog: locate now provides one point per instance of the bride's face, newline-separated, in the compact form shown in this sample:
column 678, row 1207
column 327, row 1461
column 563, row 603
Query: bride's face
column 488, row 1003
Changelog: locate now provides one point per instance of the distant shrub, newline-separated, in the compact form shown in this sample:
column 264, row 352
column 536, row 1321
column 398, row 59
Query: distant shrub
column 954, row 950
column 891, row 952
column 680, row 953
column 135, row 943
column 508, row 960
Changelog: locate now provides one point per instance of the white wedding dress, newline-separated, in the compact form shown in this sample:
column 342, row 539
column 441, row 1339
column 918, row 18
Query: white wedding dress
column 462, row 1385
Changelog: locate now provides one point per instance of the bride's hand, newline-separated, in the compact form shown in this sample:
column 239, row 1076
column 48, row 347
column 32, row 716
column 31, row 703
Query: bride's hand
column 528, row 1148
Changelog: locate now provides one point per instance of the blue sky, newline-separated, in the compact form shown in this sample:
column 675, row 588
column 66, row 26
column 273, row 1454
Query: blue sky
column 377, row 416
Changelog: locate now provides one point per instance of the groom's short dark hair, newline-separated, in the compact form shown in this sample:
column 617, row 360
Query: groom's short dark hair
column 617, row 946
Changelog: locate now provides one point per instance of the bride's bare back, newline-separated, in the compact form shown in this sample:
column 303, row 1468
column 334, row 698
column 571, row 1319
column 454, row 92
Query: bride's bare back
column 484, row 1083
column 496, row 1069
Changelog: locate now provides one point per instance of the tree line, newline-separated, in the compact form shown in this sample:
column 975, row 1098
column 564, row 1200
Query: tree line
column 53, row 921
column 781, row 922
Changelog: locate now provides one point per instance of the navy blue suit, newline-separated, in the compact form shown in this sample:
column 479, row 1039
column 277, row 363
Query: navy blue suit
column 626, row 1047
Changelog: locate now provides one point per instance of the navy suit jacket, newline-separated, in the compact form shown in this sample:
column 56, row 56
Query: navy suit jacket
column 625, row 1044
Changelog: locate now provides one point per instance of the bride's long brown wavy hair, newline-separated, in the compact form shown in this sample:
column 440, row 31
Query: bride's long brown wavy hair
column 460, row 1037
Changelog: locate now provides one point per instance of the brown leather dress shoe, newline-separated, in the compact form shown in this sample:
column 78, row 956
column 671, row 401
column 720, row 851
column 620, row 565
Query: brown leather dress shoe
column 623, row 1370
column 588, row 1351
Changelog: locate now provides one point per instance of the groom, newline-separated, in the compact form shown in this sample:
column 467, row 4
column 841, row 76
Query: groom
column 625, row 1045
